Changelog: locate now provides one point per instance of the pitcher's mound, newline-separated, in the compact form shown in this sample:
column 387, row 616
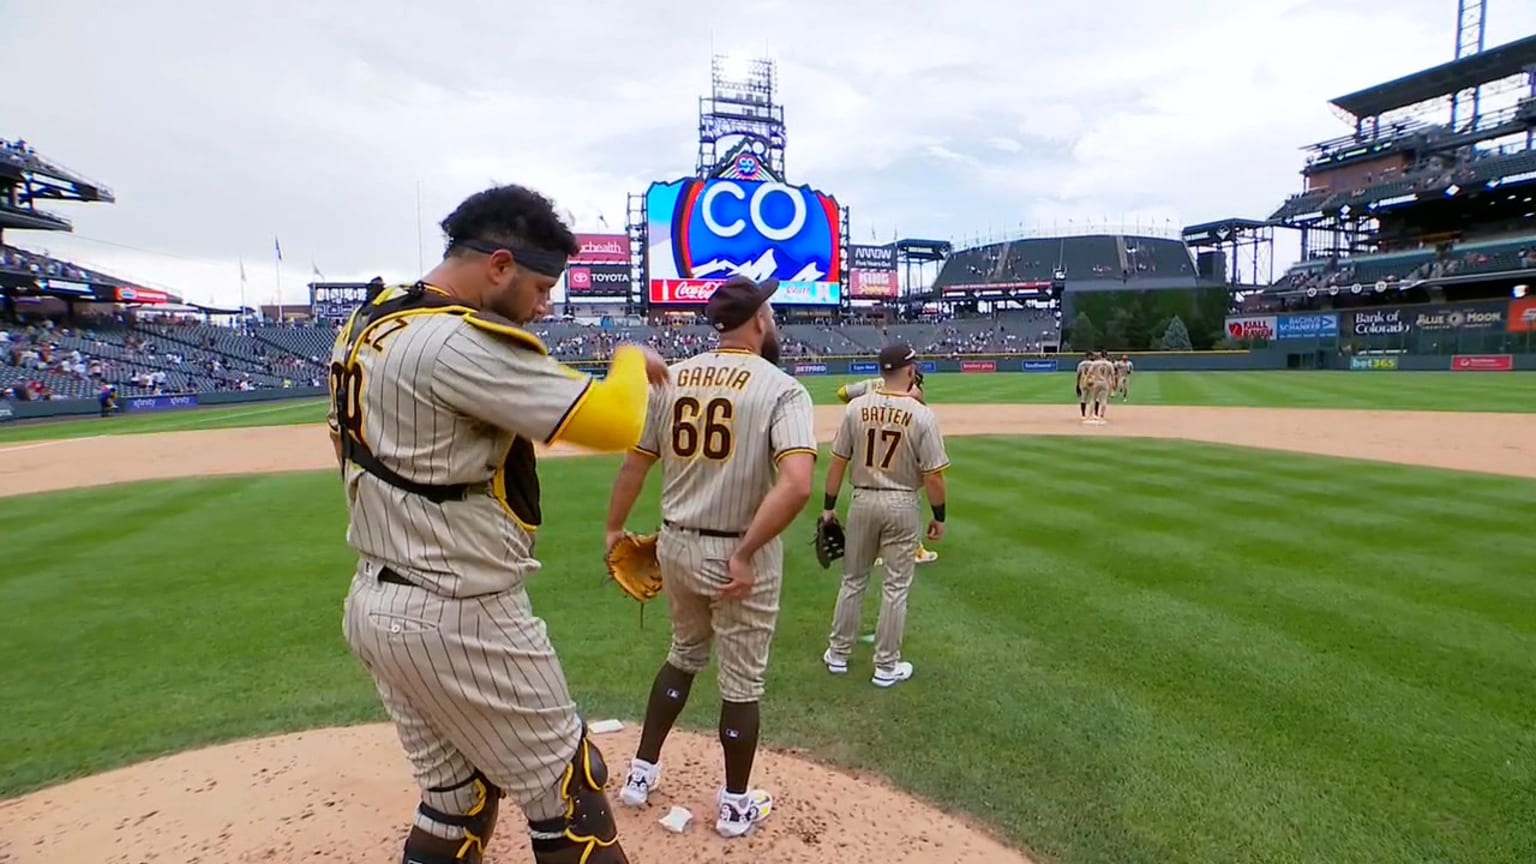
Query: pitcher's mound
column 344, row 796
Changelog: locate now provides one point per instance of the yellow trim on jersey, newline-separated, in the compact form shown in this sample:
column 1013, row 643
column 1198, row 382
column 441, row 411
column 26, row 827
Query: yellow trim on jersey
column 644, row 452
column 499, row 492
column 610, row 414
column 842, row 395
column 511, row 331
column 837, row 455
column 939, row 470
column 884, row 392
column 733, row 351
column 793, row 450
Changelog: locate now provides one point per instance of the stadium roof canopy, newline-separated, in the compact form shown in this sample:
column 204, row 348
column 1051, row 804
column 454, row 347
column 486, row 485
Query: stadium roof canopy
column 1493, row 64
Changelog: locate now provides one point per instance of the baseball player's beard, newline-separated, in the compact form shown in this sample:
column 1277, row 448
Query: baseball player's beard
column 770, row 349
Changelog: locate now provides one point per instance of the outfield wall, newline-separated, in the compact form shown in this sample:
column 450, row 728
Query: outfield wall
column 1167, row 361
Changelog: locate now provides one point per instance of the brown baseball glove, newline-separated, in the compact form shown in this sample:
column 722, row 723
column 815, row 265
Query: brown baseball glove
column 632, row 564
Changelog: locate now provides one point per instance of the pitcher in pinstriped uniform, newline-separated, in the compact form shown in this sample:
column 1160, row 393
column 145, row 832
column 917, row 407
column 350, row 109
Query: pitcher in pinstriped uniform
column 892, row 444
column 438, row 396
column 735, row 438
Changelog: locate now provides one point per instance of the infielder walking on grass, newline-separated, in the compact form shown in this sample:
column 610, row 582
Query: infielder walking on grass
column 893, row 443
column 438, row 395
column 726, row 425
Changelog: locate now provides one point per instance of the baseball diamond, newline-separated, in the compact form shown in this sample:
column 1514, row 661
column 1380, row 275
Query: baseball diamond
column 748, row 527
column 1129, row 625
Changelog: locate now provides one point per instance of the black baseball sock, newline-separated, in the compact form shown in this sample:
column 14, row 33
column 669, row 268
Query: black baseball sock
column 738, row 738
column 1082, row 408
column 669, row 693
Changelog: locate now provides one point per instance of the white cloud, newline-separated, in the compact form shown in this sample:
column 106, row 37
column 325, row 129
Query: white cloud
column 222, row 124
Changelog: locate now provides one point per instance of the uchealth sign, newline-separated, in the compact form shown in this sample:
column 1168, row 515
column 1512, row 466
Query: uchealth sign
column 680, row 292
column 602, row 249
column 1251, row 327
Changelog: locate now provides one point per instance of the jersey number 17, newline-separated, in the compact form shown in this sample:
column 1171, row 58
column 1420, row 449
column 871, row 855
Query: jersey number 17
column 891, row 438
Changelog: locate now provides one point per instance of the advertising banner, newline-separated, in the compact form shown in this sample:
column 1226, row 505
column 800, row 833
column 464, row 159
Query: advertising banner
column 1319, row 326
column 1482, row 363
column 978, row 365
column 716, row 228
column 1251, row 327
column 1479, row 316
column 1372, row 363
column 927, row 367
column 1040, row 366
column 6, row 413
column 1377, row 322
column 1033, row 285
column 810, row 368
column 863, row 367
column 1522, row 315
column 602, row 249
column 583, row 280
column 872, row 257
column 872, row 284
column 142, row 295
column 697, row 291
column 160, row 403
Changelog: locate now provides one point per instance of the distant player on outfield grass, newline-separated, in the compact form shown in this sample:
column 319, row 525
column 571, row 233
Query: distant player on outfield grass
column 1123, row 369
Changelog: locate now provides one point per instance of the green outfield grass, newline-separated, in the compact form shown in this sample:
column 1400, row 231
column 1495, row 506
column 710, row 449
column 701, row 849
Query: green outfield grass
column 1145, row 652
column 1405, row 391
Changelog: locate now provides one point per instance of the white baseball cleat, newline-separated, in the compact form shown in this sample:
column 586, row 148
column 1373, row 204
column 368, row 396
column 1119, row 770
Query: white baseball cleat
column 926, row 556
column 638, row 785
column 739, row 814
column 894, row 675
column 834, row 665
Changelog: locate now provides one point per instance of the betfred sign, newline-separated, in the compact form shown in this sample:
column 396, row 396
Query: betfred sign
column 978, row 365
column 602, row 249
column 1251, row 327
column 866, row 284
column 678, row 292
column 1482, row 363
column 596, row 279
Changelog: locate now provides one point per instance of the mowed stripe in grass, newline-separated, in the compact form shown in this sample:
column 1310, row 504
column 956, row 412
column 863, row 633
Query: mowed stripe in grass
column 1405, row 391
column 1128, row 651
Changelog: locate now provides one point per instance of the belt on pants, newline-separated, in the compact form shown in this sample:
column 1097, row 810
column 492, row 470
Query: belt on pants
column 705, row 532
column 390, row 577
column 878, row 489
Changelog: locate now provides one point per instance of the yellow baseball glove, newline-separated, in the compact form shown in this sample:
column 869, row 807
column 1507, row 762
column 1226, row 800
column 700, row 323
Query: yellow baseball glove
column 632, row 564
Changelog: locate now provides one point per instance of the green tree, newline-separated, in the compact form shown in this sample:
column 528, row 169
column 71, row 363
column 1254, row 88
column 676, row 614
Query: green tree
column 1176, row 337
column 1082, row 335
column 1117, row 331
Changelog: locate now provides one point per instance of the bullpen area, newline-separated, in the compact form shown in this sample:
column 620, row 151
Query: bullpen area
column 1259, row 616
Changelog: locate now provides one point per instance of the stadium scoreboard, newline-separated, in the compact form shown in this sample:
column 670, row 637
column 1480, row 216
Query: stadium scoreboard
column 335, row 301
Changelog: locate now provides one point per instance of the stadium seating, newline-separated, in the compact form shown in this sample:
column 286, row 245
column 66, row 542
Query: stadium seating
column 1084, row 258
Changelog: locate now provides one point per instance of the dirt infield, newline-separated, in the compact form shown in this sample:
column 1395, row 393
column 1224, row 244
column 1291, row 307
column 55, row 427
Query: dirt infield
column 343, row 795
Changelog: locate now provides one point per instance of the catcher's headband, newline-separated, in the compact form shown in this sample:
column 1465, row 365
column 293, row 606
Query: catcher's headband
column 538, row 260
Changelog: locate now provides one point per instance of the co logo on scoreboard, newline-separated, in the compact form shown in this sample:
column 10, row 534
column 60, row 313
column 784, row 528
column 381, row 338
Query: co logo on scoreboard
column 734, row 224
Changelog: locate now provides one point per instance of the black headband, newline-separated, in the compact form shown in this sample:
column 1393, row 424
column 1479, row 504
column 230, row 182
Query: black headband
column 538, row 260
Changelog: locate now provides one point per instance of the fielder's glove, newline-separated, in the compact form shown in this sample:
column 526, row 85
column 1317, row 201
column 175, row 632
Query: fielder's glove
column 829, row 541
column 632, row 564
column 918, row 377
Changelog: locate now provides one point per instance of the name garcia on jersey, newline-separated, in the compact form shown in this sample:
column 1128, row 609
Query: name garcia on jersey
column 725, row 377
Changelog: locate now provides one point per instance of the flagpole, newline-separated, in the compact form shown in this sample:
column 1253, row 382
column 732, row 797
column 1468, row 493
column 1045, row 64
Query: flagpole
column 421, row 266
column 242, row 291
column 277, row 269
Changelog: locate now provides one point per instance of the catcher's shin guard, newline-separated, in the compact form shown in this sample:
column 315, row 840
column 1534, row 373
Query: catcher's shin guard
column 586, row 834
column 476, row 824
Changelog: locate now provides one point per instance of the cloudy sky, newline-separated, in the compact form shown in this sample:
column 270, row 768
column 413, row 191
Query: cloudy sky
column 221, row 125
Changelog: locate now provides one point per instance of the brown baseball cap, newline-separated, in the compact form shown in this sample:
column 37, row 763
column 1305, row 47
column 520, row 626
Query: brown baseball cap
column 897, row 356
column 735, row 302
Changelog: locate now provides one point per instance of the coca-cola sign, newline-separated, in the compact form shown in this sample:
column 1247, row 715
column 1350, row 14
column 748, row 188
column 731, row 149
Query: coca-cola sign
column 683, row 290
column 698, row 291
column 602, row 249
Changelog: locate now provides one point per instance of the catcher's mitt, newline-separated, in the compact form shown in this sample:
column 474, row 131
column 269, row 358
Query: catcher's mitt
column 829, row 541
column 632, row 564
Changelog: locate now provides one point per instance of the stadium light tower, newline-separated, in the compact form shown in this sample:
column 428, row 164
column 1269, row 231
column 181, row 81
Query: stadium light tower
column 1471, row 30
column 740, row 112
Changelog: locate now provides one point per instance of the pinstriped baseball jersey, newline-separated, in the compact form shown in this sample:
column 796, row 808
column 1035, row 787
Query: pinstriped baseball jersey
column 719, row 428
column 890, row 441
column 444, row 401
column 1100, row 374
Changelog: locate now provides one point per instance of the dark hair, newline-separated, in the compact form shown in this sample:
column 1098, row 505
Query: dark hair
column 510, row 214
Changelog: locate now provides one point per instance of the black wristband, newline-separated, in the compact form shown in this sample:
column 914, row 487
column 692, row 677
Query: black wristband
column 830, row 503
column 938, row 512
